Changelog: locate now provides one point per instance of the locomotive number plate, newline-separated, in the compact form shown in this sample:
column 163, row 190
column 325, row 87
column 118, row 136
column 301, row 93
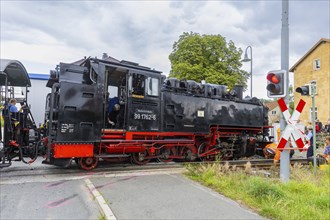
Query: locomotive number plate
column 145, row 115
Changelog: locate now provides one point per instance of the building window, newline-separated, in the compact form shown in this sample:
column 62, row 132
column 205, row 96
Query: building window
column 317, row 64
column 273, row 112
column 311, row 114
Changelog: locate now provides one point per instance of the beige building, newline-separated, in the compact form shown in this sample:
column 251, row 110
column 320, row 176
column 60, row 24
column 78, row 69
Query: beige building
column 314, row 65
column 273, row 112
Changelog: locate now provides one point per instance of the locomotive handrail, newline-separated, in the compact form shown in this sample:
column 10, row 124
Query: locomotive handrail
column 51, row 113
column 90, row 75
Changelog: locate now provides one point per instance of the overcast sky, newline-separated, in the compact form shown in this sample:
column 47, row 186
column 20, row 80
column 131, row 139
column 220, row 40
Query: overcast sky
column 41, row 34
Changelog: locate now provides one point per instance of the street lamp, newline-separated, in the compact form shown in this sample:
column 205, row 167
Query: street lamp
column 247, row 59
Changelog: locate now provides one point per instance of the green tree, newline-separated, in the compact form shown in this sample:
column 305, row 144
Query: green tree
column 207, row 57
column 291, row 99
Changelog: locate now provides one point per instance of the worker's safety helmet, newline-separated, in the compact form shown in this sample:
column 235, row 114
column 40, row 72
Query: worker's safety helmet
column 269, row 152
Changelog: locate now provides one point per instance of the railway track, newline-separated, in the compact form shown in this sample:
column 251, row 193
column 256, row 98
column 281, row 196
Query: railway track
column 105, row 168
column 260, row 163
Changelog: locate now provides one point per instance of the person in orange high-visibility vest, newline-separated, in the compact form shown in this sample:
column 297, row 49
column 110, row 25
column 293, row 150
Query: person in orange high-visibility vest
column 271, row 151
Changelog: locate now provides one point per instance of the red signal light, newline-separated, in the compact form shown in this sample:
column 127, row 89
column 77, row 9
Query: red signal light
column 274, row 78
column 276, row 83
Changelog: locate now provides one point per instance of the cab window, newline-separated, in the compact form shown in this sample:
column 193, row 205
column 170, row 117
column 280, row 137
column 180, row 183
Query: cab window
column 152, row 86
column 138, row 84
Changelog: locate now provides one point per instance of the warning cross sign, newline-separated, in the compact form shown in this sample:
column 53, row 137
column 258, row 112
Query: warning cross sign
column 291, row 131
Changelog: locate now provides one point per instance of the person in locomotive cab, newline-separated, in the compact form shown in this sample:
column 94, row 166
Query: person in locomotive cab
column 12, row 106
column 13, row 109
column 15, row 117
column 113, row 111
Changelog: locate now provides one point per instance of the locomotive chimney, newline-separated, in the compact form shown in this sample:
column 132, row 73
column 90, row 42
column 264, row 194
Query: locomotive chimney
column 239, row 91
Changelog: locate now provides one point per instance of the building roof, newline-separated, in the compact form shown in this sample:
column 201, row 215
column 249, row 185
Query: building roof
column 271, row 105
column 322, row 40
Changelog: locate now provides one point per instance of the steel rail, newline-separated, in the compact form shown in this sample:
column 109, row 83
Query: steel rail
column 127, row 167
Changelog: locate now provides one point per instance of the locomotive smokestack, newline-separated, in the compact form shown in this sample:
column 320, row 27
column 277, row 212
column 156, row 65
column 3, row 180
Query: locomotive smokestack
column 239, row 91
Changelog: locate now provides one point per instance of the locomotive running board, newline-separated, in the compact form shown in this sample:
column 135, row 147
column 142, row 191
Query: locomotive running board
column 166, row 141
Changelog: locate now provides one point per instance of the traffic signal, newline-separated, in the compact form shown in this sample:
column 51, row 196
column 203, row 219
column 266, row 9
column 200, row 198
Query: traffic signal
column 303, row 90
column 308, row 89
column 276, row 83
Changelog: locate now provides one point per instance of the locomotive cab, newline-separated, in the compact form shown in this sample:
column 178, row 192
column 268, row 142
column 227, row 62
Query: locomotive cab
column 143, row 101
column 133, row 93
column 92, row 100
column 19, row 134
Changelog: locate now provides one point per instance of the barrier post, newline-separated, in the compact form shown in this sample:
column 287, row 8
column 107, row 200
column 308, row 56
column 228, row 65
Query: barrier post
column 285, row 155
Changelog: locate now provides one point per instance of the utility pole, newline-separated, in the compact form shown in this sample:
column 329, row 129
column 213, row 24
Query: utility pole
column 285, row 154
column 313, row 93
column 311, row 90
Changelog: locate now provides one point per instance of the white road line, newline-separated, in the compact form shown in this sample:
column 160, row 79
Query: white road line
column 105, row 208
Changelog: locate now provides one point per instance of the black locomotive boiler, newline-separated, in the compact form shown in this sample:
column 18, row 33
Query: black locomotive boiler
column 109, row 109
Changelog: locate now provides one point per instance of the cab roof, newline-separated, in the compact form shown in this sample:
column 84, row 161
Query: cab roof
column 15, row 73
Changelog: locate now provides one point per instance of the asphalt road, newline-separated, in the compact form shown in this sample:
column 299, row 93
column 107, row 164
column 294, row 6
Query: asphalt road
column 166, row 196
column 142, row 194
column 53, row 200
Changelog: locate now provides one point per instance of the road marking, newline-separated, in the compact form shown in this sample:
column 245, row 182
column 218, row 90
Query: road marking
column 105, row 208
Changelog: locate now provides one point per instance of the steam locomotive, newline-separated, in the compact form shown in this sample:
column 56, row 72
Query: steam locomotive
column 152, row 117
